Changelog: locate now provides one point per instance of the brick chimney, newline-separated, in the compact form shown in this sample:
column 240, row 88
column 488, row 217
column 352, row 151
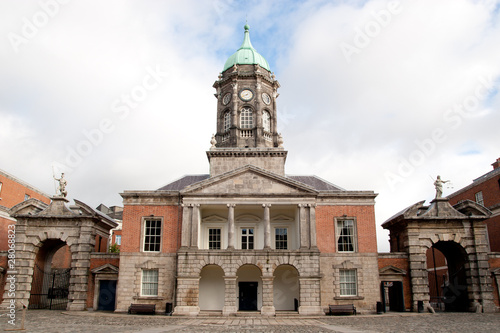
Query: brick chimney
column 496, row 164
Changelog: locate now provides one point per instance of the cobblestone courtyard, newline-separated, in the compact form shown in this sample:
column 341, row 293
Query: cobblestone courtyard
column 89, row 322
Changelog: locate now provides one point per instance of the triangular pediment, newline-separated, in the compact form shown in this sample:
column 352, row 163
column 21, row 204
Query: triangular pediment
column 29, row 207
column 282, row 218
column 247, row 218
column 391, row 270
column 249, row 180
column 105, row 269
column 214, row 218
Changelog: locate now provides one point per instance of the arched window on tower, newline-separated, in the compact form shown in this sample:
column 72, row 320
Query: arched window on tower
column 246, row 118
column 266, row 121
column 227, row 121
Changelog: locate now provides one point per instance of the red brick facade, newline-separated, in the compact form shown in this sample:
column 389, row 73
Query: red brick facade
column 132, row 223
column 14, row 191
column 489, row 185
column 365, row 227
column 95, row 263
column 401, row 263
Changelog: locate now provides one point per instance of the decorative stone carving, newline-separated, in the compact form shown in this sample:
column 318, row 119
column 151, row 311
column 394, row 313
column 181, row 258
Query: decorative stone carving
column 280, row 141
column 213, row 142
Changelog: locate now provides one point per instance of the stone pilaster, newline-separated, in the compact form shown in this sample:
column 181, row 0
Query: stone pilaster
column 187, row 296
column 312, row 226
column 310, row 296
column 267, row 308
column 230, row 306
column 186, row 226
column 304, row 228
column 80, row 264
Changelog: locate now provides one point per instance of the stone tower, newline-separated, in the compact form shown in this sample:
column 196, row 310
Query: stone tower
column 246, row 114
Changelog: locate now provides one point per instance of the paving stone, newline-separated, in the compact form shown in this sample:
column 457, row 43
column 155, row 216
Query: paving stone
column 38, row 321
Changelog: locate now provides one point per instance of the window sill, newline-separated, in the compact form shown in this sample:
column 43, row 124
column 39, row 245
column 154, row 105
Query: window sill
column 153, row 298
column 350, row 298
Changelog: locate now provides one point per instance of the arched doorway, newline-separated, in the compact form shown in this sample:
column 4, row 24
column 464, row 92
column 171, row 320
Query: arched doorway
column 51, row 275
column 286, row 288
column 212, row 288
column 249, row 284
column 448, row 270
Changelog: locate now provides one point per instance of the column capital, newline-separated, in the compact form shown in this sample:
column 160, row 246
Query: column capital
column 231, row 205
column 266, row 205
column 301, row 205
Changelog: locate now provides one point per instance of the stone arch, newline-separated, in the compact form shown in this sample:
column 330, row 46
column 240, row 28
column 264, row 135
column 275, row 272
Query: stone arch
column 212, row 260
column 286, row 288
column 249, row 287
column 451, row 290
column 50, row 286
column 211, row 288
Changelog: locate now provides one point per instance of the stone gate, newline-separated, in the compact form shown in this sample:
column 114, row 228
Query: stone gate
column 460, row 232
column 38, row 224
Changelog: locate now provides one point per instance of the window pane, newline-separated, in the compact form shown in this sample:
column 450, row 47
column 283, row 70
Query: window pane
column 345, row 236
column 348, row 285
column 247, row 239
column 150, row 282
column 281, row 237
column 227, row 121
column 152, row 235
column 479, row 198
column 246, row 118
column 214, row 239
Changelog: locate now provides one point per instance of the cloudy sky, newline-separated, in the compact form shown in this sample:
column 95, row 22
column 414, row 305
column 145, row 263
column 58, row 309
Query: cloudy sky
column 375, row 95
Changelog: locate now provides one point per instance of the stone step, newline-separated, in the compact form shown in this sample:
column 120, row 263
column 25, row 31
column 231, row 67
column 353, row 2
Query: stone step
column 287, row 313
column 208, row 313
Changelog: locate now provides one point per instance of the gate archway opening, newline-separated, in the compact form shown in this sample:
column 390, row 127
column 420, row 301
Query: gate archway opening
column 286, row 288
column 249, row 284
column 212, row 288
column 51, row 275
column 448, row 270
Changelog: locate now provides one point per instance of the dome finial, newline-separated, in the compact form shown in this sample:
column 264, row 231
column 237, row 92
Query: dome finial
column 247, row 27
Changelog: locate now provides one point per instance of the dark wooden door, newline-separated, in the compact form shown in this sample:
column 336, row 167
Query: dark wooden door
column 248, row 296
column 107, row 295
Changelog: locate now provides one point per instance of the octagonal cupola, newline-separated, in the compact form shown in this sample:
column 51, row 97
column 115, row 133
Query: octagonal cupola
column 246, row 94
column 246, row 54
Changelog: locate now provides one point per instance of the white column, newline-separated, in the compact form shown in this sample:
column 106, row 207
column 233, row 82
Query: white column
column 230, row 231
column 267, row 227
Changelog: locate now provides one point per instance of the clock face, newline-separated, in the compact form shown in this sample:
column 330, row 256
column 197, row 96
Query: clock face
column 246, row 94
column 266, row 98
column 226, row 99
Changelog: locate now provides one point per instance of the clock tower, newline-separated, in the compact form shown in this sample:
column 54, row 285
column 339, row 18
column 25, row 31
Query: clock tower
column 246, row 114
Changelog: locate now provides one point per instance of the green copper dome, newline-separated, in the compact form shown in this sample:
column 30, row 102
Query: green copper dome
column 246, row 54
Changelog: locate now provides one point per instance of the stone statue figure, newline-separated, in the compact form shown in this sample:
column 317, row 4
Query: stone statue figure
column 439, row 186
column 62, row 185
column 213, row 142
